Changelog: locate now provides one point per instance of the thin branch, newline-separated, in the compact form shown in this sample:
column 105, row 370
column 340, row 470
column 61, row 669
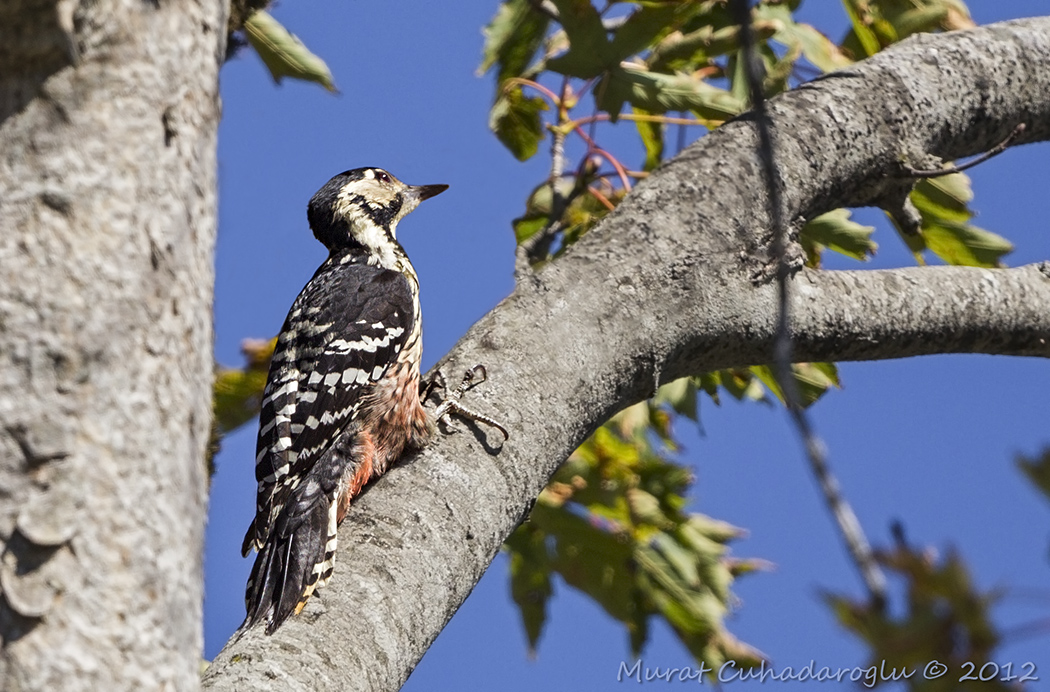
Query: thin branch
column 644, row 117
column 998, row 149
column 585, row 88
column 680, row 139
column 521, row 81
column 601, row 198
column 638, row 175
column 558, row 151
column 852, row 532
column 538, row 246
column 593, row 148
column 620, row 170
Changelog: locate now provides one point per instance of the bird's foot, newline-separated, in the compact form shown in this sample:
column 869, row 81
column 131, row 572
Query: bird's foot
column 451, row 404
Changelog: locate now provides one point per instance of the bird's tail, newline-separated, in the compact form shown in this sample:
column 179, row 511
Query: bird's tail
column 296, row 559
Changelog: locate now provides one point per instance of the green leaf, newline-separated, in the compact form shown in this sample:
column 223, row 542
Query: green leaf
column 680, row 395
column 538, row 208
column 284, row 54
column 584, row 213
column 512, row 38
column 652, row 135
column 526, row 227
column 945, row 198
column 779, row 70
column 590, row 52
column 237, row 393
column 694, row 534
column 696, row 611
column 658, row 93
column 237, row 397
column 943, row 204
column 515, row 118
column 645, row 508
column 742, row 384
column 916, row 16
column 714, row 529
column 642, row 28
column 920, row 19
column 863, row 33
column 815, row 46
column 709, row 383
column 963, row 244
column 590, row 559
column 835, row 231
column 530, row 582
column 818, row 48
column 739, row 87
column 580, row 211
column 684, row 50
column 813, row 380
column 1037, row 470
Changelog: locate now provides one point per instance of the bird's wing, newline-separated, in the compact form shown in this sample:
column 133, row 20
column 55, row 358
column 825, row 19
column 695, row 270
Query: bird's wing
column 343, row 331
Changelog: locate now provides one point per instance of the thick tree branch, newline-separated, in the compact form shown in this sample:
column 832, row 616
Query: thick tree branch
column 663, row 289
column 874, row 315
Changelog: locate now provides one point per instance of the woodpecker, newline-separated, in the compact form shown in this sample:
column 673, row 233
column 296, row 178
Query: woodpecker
column 342, row 400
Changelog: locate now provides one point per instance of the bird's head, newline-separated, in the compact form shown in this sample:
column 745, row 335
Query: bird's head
column 362, row 207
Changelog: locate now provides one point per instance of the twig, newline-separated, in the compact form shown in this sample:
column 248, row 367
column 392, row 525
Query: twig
column 620, row 170
column 538, row 246
column 558, row 154
column 521, row 81
column 680, row 140
column 998, row 149
column 638, row 175
column 593, row 148
column 850, row 528
column 644, row 117
column 601, row 198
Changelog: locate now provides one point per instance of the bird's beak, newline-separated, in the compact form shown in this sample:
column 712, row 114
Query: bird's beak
column 422, row 192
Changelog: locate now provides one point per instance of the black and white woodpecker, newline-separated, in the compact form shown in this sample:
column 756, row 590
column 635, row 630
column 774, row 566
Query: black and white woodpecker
column 342, row 399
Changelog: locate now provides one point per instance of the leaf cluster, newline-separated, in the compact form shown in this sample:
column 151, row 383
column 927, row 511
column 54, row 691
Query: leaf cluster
column 945, row 619
column 677, row 63
column 613, row 524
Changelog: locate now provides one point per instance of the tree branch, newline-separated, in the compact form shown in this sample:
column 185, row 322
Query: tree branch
column 669, row 293
column 108, row 121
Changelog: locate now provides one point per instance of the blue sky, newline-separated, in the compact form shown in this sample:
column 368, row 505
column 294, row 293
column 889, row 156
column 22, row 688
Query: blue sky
column 928, row 441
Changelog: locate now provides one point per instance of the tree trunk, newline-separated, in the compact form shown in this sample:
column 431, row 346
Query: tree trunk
column 108, row 119
column 664, row 288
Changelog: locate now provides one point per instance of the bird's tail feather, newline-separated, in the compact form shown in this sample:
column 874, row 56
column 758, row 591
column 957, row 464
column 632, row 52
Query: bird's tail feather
column 297, row 558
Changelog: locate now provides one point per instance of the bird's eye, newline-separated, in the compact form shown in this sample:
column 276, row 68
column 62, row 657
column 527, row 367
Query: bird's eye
column 382, row 177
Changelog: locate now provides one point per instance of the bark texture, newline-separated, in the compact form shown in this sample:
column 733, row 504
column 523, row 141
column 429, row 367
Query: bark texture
column 663, row 289
column 108, row 118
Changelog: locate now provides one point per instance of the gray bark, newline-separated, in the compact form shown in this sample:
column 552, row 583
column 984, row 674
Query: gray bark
column 108, row 118
column 663, row 289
